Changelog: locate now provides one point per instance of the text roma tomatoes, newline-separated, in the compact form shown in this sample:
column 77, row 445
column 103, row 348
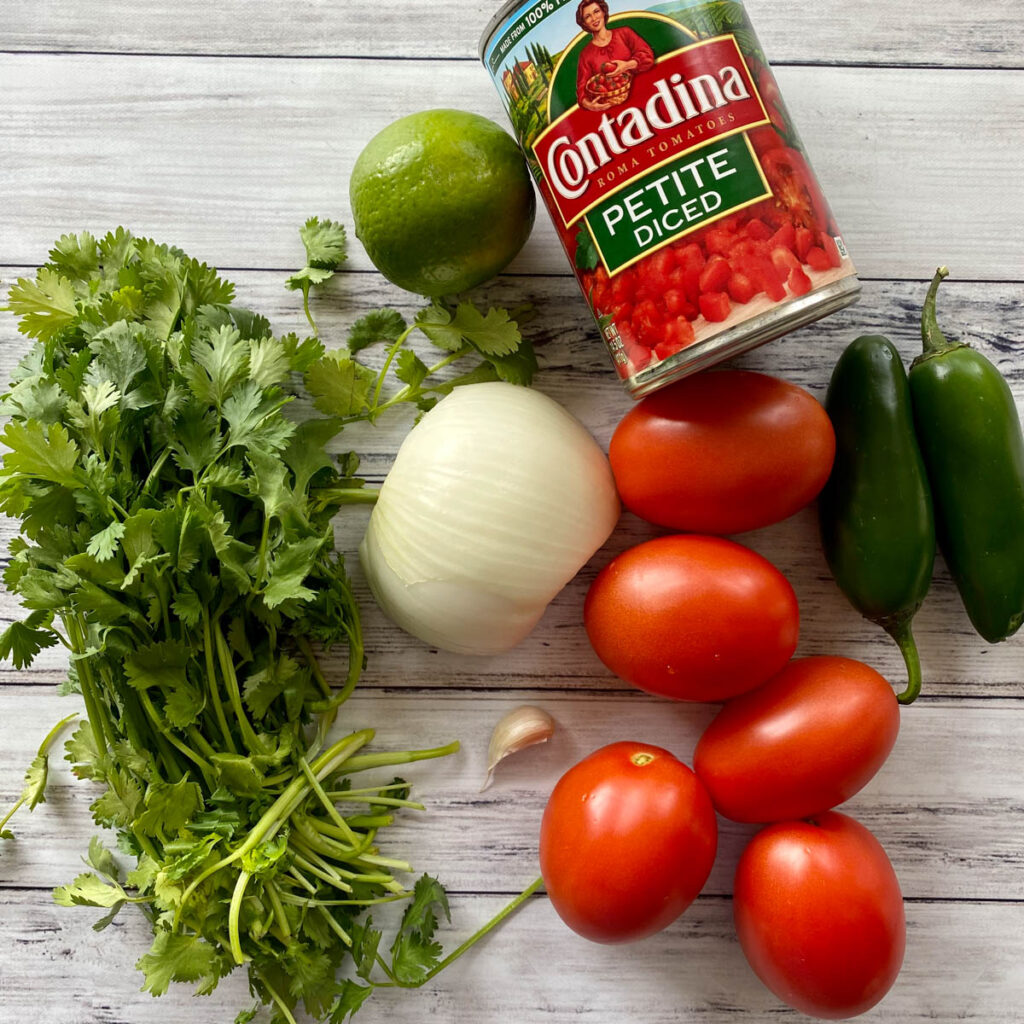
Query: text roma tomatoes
column 722, row 452
column 807, row 740
column 692, row 617
column 819, row 915
column 627, row 842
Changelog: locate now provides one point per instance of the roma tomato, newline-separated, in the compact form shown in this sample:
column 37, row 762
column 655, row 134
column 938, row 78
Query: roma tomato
column 807, row 740
column 819, row 915
column 722, row 452
column 627, row 842
column 692, row 617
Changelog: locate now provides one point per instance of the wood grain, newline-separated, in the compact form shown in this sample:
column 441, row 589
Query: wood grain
column 220, row 128
column 230, row 155
column 487, row 842
column 694, row 971
column 988, row 33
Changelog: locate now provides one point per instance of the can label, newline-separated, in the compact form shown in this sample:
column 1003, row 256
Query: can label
column 674, row 175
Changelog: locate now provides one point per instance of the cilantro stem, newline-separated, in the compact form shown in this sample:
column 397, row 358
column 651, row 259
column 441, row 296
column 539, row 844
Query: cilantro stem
column 314, row 665
column 332, row 811
column 373, row 796
column 301, row 901
column 276, row 905
column 335, row 927
column 454, row 955
column 407, row 393
column 44, row 749
column 303, row 881
column 310, row 865
column 318, row 842
column 227, row 668
column 14, row 810
column 97, row 717
column 281, row 1005
column 388, row 360
column 371, row 821
column 167, row 735
column 234, row 913
column 364, row 762
column 201, row 742
column 305, row 308
column 214, row 689
column 155, row 470
column 282, row 808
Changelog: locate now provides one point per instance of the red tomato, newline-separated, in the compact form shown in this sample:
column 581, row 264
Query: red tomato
column 626, row 842
column 722, row 452
column 692, row 617
column 819, row 914
column 794, row 186
column 807, row 740
column 715, row 306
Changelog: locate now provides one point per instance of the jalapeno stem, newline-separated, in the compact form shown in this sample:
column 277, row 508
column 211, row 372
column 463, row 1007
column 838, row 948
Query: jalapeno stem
column 904, row 637
column 934, row 340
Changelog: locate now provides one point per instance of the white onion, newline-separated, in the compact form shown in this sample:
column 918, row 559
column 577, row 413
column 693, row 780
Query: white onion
column 496, row 499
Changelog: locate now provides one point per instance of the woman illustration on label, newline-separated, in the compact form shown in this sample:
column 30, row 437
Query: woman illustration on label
column 609, row 60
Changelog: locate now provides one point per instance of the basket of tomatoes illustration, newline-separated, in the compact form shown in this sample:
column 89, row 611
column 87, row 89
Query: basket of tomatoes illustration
column 608, row 87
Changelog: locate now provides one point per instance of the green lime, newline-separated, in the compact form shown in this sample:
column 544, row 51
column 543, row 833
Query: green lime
column 442, row 200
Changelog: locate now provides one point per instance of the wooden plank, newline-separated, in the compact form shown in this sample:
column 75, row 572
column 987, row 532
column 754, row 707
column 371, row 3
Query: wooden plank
column 984, row 34
column 532, row 971
column 229, row 155
column 942, row 837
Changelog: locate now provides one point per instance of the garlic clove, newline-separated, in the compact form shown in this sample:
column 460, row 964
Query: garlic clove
column 521, row 727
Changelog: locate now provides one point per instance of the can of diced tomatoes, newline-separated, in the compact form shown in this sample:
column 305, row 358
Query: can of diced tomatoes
column 674, row 175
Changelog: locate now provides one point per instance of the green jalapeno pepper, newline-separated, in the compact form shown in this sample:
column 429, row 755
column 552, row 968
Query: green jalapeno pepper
column 970, row 435
column 875, row 512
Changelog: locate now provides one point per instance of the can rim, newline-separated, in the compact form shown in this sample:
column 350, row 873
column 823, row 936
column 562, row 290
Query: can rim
column 492, row 26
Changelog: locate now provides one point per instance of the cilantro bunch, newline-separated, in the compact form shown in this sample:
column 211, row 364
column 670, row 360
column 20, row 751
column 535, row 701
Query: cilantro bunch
column 176, row 539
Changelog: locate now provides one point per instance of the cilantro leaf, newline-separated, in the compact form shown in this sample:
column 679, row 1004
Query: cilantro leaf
column 103, row 544
column 221, row 360
column 36, row 777
column 44, row 453
column 77, row 255
column 351, row 997
column 414, row 950
column 493, row 334
column 46, row 305
column 410, row 369
column 177, row 522
column 269, row 362
column 169, row 807
column 325, row 241
column 289, row 568
column 339, row 385
column 35, row 780
column 378, row 325
column 89, row 890
column 176, row 957
column 20, row 643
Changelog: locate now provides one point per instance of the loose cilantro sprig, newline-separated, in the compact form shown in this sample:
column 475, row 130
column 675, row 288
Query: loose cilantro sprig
column 176, row 538
column 344, row 388
column 326, row 245
column 36, row 777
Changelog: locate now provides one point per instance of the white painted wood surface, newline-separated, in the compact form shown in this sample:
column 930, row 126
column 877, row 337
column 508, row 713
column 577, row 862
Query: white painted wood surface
column 220, row 128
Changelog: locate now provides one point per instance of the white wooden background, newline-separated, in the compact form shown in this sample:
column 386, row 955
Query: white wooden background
column 220, row 128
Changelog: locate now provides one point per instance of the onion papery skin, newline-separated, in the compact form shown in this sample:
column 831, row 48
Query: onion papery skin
column 495, row 500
